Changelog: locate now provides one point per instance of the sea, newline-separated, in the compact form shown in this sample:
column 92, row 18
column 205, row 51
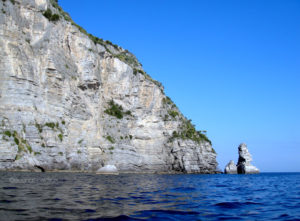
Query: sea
column 87, row 196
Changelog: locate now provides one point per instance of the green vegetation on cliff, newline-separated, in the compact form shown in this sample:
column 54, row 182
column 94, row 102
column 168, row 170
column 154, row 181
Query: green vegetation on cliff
column 23, row 145
column 187, row 131
column 116, row 110
column 51, row 17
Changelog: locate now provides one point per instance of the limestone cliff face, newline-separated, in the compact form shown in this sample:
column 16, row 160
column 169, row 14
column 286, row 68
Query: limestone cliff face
column 70, row 101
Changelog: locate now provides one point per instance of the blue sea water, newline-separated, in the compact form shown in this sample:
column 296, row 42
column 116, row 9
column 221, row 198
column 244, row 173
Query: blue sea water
column 84, row 196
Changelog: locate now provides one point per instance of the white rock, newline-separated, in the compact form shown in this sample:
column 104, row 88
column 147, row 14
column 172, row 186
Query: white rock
column 230, row 168
column 108, row 169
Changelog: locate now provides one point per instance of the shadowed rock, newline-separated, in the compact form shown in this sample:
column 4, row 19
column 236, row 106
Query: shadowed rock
column 40, row 168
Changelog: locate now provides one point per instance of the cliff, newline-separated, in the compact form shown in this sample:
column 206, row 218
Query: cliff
column 72, row 101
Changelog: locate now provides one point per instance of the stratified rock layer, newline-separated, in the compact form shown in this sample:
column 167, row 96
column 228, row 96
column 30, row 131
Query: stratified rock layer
column 56, row 109
column 244, row 163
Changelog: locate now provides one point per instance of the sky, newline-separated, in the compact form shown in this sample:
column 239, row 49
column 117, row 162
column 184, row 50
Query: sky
column 231, row 66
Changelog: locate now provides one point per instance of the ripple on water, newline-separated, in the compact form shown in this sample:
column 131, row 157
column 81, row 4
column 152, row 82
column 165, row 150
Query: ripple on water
column 166, row 214
column 235, row 205
column 9, row 188
column 156, row 197
column 183, row 189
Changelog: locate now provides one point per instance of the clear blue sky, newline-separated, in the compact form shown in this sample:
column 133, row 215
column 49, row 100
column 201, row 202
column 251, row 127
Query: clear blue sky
column 233, row 67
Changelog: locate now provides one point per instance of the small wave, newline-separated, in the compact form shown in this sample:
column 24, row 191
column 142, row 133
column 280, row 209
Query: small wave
column 90, row 211
column 122, row 217
column 121, row 198
column 183, row 189
column 233, row 205
column 167, row 214
column 7, row 201
column 13, row 210
column 252, row 203
column 179, row 212
column 9, row 188
column 283, row 215
column 229, row 205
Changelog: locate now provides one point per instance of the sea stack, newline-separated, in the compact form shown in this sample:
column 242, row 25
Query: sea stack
column 231, row 168
column 244, row 165
column 244, row 162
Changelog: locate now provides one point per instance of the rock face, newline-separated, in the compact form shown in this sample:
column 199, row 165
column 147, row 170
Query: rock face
column 244, row 162
column 230, row 168
column 71, row 101
column 244, row 165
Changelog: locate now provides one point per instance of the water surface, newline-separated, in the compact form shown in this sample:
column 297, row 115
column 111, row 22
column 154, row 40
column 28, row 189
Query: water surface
column 83, row 196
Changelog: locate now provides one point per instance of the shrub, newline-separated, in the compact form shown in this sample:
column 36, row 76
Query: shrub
column 167, row 101
column 111, row 148
column 39, row 127
column 173, row 113
column 17, row 157
column 16, row 140
column 127, row 58
column 51, row 17
column 50, row 124
column 110, row 139
column 48, row 13
column 7, row 133
column 114, row 110
column 29, row 148
column 54, row 17
column 60, row 136
column 187, row 131
column 135, row 71
column 166, row 118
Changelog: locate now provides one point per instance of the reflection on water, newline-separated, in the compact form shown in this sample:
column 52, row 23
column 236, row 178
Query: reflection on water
column 81, row 196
